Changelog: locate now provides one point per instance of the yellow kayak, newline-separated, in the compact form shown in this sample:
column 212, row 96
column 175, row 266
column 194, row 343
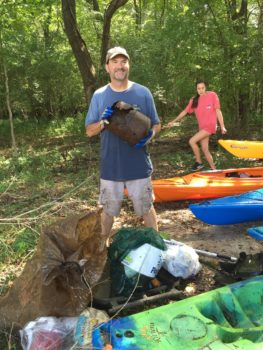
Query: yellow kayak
column 243, row 149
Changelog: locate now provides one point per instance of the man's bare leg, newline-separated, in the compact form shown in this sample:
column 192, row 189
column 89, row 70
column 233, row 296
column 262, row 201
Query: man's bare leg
column 150, row 219
column 106, row 226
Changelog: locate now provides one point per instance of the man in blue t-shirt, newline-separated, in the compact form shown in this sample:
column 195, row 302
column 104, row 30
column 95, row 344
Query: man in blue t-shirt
column 122, row 165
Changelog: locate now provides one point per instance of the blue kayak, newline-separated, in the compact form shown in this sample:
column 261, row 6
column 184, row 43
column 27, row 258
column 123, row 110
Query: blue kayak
column 256, row 232
column 231, row 209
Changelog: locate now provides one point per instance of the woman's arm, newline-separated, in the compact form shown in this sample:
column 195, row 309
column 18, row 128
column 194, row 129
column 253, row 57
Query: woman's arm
column 177, row 119
column 221, row 120
column 156, row 128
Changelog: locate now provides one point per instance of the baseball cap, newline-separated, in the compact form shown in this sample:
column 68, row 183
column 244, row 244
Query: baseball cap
column 115, row 51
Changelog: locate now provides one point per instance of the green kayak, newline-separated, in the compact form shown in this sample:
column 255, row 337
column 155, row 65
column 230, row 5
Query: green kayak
column 228, row 318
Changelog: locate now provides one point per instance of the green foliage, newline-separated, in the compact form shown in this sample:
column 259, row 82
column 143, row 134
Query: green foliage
column 19, row 243
column 187, row 40
column 43, row 78
column 171, row 43
column 55, row 169
column 24, row 242
column 37, row 130
column 5, row 250
column 58, row 153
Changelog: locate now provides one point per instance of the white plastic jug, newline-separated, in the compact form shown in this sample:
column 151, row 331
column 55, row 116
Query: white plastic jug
column 146, row 260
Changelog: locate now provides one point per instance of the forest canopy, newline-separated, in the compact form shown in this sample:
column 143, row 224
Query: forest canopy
column 52, row 53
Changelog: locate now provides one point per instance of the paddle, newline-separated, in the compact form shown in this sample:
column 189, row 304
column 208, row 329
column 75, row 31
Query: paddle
column 203, row 252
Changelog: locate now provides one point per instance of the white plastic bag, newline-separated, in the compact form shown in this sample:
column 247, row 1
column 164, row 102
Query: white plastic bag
column 181, row 261
column 48, row 333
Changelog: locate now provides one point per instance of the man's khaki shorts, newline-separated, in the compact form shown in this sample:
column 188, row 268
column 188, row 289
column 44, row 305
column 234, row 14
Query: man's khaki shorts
column 139, row 191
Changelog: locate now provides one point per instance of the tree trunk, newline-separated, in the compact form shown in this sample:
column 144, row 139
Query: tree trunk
column 105, row 44
column 138, row 13
column 78, row 45
column 9, row 110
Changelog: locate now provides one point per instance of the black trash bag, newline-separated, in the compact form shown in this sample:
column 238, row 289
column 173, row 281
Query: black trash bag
column 128, row 123
column 124, row 241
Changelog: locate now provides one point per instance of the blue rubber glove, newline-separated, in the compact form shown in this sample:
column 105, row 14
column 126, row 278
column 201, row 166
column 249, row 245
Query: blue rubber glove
column 107, row 113
column 105, row 117
column 145, row 140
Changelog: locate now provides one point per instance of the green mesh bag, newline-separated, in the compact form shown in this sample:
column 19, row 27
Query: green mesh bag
column 124, row 241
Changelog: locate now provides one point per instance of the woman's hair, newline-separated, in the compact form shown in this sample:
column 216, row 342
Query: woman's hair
column 196, row 98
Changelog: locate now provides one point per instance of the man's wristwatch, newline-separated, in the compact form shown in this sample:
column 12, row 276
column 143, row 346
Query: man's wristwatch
column 102, row 123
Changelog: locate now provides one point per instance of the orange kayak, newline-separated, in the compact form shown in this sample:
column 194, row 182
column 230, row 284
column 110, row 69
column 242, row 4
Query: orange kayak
column 208, row 184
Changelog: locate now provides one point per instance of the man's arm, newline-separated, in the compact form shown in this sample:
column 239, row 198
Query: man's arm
column 94, row 128
column 93, row 124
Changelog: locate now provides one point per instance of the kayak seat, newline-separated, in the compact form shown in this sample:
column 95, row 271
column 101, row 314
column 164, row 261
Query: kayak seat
column 240, row 175
column 232, row 174
column 235, row 314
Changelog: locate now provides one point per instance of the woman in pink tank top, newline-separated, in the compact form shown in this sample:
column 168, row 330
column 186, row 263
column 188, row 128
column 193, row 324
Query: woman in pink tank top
column 206, row 107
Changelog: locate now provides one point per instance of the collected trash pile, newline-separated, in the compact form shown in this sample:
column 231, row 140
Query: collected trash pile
column 61, row 276
column 137, row 254
column 64, row 333
column 73, row 287
column 129, row 279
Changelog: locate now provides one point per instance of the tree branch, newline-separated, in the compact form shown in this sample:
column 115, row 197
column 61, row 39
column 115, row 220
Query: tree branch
column 112, row 8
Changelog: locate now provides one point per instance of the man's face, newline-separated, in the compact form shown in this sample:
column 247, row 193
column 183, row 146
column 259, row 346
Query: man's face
column 118, row 68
